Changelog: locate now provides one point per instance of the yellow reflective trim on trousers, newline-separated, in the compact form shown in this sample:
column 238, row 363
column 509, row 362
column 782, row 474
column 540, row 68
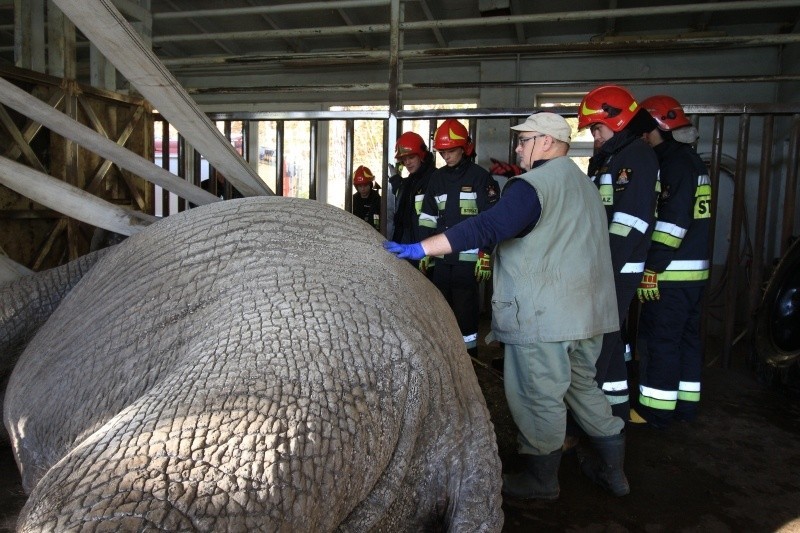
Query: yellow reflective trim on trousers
column 687, row 396
column 653, row 403
column 616, row 400
column 666, row 239
column 683, row 275
column 619, row 229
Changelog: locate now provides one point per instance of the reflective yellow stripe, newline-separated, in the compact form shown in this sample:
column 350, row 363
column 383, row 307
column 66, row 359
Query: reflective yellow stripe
column 666, row 239
column 686, row 275
column 629, row 220
column 607, row 194
column 671, row 229
column 664, row 405
column 619, row 229
column 658, row 399
column 685, row 270
column 418, row 203
column 689, row 391
column 702, row 202
column 616, row 400
column 468, row 255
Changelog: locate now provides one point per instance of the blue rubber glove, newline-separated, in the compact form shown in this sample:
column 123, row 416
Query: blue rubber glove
column 405, row 251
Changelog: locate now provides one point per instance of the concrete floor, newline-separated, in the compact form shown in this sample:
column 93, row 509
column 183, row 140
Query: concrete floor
column 737, row 468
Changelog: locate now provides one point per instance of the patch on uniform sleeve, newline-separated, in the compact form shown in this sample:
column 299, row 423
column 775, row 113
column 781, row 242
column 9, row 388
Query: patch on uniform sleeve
column 624, row 176
column 491, row 192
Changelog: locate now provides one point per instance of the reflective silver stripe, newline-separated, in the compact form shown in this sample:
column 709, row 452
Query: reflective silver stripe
column 605, row 179
column 441, row 198
column 632, row 268
column 615, row 386
column 470, row 338
column 474, row 251
column 658, row 394
column 418, row 197
column 430, row 218
column 468, row 196
column 631, row 221
column 689, row 386
column 703, row 179
column 688, row 265
column 672, row 229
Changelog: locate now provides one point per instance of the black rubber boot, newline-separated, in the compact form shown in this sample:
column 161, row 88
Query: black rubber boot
column 605, row 468
column 538, row 480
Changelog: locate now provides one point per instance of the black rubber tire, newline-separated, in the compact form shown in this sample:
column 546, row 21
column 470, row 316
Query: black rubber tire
column 777, row 334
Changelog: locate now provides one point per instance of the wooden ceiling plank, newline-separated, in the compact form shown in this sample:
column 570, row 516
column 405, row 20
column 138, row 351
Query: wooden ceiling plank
column 105, row 26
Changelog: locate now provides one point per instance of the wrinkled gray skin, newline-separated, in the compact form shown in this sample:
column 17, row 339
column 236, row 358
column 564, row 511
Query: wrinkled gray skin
column 251, row 365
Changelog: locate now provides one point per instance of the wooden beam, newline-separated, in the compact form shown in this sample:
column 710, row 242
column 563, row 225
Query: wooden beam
column 108, row 30
column 32, row 127
column 32, row 107
column 19, row 140
column 71, row 201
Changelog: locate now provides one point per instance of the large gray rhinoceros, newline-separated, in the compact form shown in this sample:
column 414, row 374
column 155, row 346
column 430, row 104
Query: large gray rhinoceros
column 252, row 365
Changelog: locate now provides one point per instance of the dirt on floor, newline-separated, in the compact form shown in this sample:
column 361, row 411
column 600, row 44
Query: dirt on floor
column 735, row 469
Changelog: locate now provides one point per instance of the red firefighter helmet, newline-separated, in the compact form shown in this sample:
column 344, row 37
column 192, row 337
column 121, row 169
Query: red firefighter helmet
column 363, row 176
column 410, row 143
column 611, row 105
column 667, row 111
column 452, row 134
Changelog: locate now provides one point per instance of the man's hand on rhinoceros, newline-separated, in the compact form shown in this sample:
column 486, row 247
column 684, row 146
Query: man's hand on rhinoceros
column 412, row 251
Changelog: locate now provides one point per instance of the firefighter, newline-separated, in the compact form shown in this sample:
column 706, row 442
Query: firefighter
column 458, row 191
column 676, row 270
column 366, row 200
column 625, row 170
column 411, row 152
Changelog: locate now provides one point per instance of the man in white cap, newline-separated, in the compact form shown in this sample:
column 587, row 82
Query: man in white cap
column 553, row 301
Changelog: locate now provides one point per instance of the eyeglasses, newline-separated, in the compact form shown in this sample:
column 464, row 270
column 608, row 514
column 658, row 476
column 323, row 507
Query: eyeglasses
column 522, row 140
